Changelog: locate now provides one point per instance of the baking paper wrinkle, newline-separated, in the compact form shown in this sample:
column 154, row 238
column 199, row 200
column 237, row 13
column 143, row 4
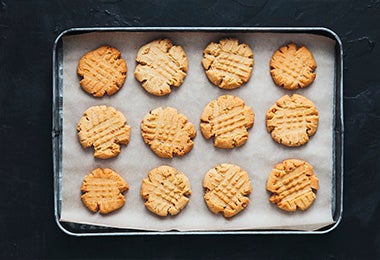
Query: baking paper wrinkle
column 258, row 156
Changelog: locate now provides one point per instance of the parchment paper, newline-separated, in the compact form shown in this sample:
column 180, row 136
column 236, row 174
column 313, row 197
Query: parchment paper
column 257, row 156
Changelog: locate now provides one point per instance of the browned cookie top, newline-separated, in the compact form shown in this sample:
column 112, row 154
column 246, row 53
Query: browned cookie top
column 292, row 183
column 227, row 119
column 103, row 71
column 166, row 191
column 227, row 187
column 105, row 128
column 168, row 132
column 293, row 67
column 292, row 120
column 227, row 63
column 102, row 190
column 160, row 66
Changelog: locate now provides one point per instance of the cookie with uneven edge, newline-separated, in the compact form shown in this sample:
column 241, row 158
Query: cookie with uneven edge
column 102, row 190
column 227, row 63
column 293, row 67
column 167, row 132
column 102, row 71
column 292, row 184
column 166, row 191
column 227, row 119
column 227, row 187
column 105, row 128
column 160, row 66
column 292, row 120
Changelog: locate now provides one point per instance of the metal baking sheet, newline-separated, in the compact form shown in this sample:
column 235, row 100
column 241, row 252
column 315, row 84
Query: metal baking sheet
column 90, row 230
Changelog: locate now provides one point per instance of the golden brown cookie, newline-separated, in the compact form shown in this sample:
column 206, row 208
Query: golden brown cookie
column 102, row 190
column 292, row 120
column 103, row 71
column 292, row 183
column 228, row 64
column 293, row 67
column 227, row 119
column 161, row 65
column 166, row 191
column 167, row 132
column 104, row 128
column 227, row 187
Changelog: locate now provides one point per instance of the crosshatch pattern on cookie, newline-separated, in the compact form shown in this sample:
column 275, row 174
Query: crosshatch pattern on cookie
column 227, row 187
column 228, row 64
column 168, row 132
column 160, row 66
column 293, row 67
column 103, row 71
column 104, row 128
column 292, row 183
column 292, row 120
column 227, row 119
column 102, row 190
column 166, row 191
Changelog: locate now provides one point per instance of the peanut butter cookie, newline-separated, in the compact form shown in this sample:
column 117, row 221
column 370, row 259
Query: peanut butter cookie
column 166, row 191
column 227, row 119
column 167, row 132
column 227, row 187
column 293, row 67
column 228, row 64
column 103, row 71
column 102, row 190
column 160, row 66
column 292, row 183
column 104, row 128
column 292, row 120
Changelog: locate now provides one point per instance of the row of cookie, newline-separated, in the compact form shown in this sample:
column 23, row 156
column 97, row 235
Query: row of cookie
column 291, row 121
column 161, row 65
column 227, row 188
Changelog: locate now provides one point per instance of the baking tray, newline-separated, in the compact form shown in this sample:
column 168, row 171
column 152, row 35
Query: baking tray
column 338, row 130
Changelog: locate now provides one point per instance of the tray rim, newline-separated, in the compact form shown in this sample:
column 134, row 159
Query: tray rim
column 338, row 127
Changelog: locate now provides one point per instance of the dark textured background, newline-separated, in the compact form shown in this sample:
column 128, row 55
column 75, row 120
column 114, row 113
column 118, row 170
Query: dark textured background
column 27, row 31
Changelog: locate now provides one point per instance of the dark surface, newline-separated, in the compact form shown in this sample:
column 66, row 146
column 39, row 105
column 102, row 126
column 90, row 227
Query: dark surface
column 27, row 31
